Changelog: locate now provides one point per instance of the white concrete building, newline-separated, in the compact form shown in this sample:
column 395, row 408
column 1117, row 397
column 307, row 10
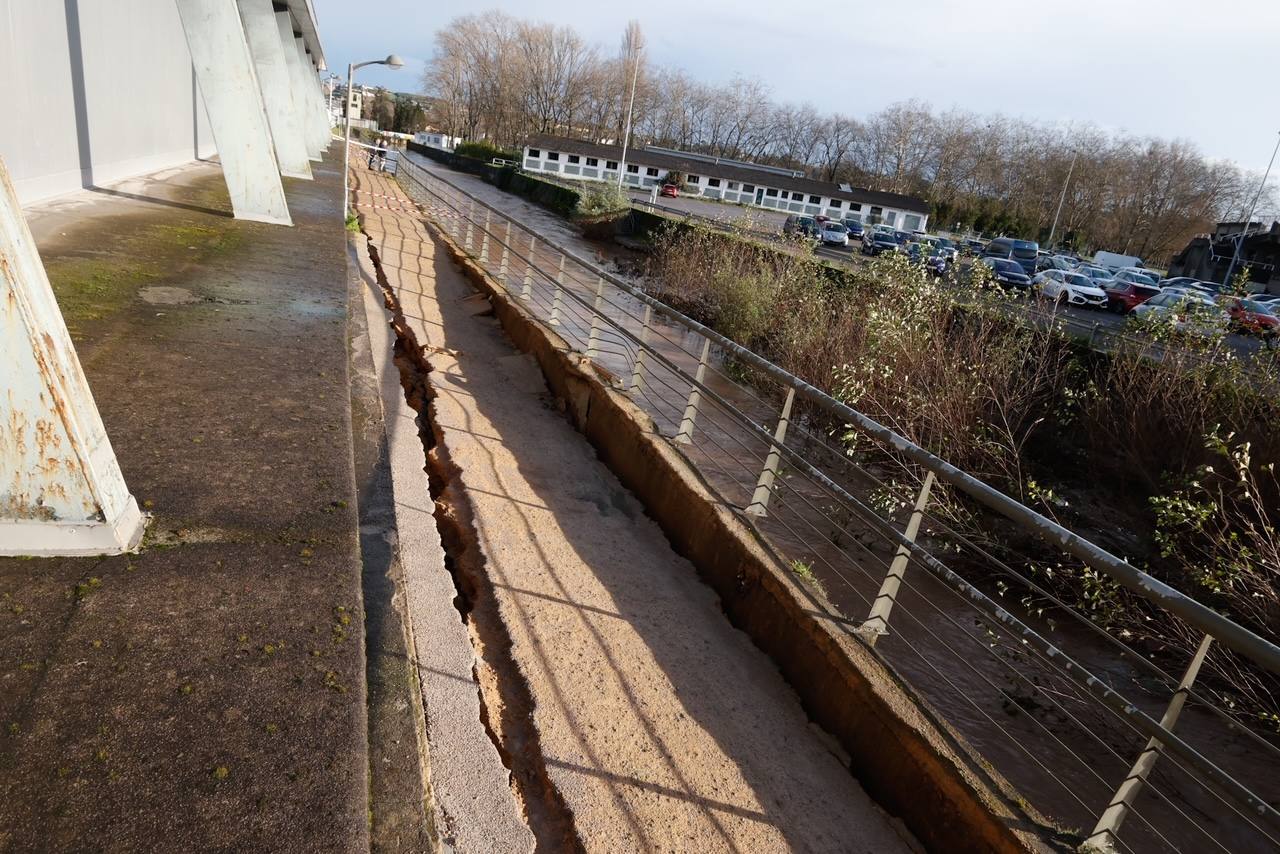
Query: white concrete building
column 100, row 91
column 103, row 90
column 727, row 180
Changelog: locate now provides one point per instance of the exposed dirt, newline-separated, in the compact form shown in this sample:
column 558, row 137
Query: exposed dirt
column 659, row 726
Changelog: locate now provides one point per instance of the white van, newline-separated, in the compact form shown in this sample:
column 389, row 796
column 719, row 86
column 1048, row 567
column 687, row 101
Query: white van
column 1114, row 261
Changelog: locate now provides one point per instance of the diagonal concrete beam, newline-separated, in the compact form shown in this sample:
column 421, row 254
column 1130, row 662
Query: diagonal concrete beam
column 311, row 81
column 233, row 99
column 301, row 103
column 273, row 75
column 61, row 490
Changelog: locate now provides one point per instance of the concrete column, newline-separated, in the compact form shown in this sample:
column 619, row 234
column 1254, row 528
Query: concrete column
column 301, row 103
column 273, row 75
column 233, row 100
column 61, row 490
column 312, row 81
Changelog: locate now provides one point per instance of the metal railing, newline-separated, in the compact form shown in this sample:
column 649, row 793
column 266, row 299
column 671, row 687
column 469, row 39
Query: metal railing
column 1081, row 742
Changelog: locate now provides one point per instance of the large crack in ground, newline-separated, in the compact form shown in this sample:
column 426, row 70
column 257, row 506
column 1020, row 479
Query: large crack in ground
column 506, row 704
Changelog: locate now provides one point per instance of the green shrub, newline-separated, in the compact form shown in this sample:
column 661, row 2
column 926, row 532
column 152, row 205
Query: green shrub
column 601, row 199
column 485, row 151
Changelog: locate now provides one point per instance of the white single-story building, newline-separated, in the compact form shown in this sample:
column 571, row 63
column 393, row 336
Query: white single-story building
column 711, row 177
column 436, row 139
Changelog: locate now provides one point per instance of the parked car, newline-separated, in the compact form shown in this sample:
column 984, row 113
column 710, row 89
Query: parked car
column 974, row 246
column 1185, row 313
column 1063, row 262
column 1100, row 275
column 942, row 245
column 1024, row 252
column 833, row 233
column 1124, row 297
column 806, row 226
column 1135, row 277
column 1189, row 291
column 854, row 228
column 876, row 241
column 1179, row 280
column 1006, row 273
column 671, row 191
column 1251, row 316
column 1071, row 288
column 936, row 259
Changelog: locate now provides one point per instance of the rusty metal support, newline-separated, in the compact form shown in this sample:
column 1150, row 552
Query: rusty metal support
column 1105, row 833
column 877, row 623
column 685, row 436
column 759, row 505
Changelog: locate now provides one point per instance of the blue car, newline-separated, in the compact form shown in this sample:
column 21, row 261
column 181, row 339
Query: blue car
column 855, row 228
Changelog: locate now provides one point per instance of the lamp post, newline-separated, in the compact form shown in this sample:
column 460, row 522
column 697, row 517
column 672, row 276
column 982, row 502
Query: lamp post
column 1244, row 229
column 1054, row 228
column 394, row 62
column 635, row 45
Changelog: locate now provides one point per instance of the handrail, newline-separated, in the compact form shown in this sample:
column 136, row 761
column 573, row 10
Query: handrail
column 1195, row 613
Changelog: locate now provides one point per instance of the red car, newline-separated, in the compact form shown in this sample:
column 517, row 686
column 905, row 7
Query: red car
column 1124, row 297
column 671, row 191
column 1250, row 316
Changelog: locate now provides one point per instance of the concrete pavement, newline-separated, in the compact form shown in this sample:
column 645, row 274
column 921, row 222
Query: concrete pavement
column 632, row 715
column 208, row 692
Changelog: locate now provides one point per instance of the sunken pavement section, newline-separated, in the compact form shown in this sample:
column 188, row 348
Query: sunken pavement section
column 207, row 693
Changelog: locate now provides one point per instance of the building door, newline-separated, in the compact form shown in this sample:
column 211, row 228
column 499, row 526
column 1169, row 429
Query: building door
column 759, row 195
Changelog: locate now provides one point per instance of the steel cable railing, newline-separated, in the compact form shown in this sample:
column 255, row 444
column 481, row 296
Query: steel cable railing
column 684, row 386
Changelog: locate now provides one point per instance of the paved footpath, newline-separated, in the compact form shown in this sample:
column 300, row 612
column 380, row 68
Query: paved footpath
column 636, row 717
column 206, row 694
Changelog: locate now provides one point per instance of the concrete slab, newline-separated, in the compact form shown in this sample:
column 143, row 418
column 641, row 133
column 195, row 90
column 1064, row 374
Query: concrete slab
column 209, row 691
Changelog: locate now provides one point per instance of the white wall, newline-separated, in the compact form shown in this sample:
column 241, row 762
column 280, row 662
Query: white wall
column 123, row 105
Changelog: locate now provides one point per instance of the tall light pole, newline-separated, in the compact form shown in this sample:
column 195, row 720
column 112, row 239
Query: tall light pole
column 393, row 61
column 1062, row 198
column 1244, row 229
column 634, row 44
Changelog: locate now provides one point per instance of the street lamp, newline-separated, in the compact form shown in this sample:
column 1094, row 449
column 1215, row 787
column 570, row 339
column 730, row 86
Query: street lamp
column 1067, row 183
column 1244, row 229
column 393, row 61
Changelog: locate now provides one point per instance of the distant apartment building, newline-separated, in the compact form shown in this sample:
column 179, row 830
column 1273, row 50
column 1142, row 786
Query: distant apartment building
column 710, row 177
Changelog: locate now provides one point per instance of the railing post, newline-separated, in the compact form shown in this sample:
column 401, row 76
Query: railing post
column 685, row 436
column 637, row 371
column 1105, row 833
column 877, row 623
column 506, row 251
column 759, row 505
column 484, row 237
column 471, row 215
column 593, row 340
column 526, row 289
column 555, row 299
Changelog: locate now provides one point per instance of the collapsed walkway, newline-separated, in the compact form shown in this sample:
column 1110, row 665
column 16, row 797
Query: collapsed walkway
column 631, row 714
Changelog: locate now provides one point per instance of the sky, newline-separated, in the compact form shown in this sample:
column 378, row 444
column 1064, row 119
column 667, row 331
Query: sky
column 1170, row 68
